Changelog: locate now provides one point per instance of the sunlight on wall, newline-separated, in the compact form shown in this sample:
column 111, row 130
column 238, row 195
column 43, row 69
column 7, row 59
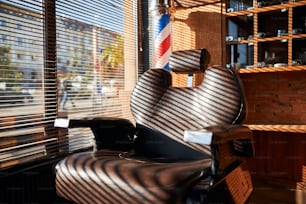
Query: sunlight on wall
column 194, row 28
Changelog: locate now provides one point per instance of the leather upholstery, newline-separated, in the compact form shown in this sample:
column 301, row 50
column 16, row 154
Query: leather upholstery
column 218, row 100
column 161, row 167
column 112, row 177
column 189, row 60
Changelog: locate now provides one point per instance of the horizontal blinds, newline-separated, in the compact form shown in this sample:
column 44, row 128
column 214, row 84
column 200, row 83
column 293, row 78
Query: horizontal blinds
column 22, row 94
column 84, row 48
column 93, row 40
column 193, row 3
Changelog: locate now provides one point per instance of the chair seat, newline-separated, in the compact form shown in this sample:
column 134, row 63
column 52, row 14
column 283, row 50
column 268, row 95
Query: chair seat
column 109, row 176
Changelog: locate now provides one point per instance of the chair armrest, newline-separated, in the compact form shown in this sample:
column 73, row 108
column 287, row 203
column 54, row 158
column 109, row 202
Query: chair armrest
column 89, row 122
column 228, row 143
column 110, row 133
column 240, row 137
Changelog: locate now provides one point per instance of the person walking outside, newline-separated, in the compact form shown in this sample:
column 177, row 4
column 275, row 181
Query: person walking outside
column 66, row 90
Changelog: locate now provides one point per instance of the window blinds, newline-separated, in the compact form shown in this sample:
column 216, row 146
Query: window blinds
column 22, row 104
column 96, row 58
column 49, row 50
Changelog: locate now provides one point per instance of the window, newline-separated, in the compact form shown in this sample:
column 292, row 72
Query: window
column 19, row 26
column 19, row 56
column 23, row 136
column 101, row 71
column 3, row 38
column 3, row 23
column 19, row 41
column 98, row 80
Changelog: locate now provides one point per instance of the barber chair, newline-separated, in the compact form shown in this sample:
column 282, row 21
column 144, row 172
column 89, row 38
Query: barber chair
column 186, row 146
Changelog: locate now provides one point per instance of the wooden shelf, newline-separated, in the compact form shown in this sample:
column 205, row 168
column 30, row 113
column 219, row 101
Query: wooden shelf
column 298, row 36
column 278, row 128
column 283, row 48
column 253, row 10
column 235, row 42
column 240, row 13
column 295, row 36
column 272, row 69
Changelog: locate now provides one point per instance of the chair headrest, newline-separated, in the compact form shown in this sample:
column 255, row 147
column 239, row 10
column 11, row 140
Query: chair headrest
column 189, row 60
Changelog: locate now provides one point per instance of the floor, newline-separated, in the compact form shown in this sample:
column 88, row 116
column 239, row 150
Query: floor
column 20, row 190
column 265, row 194
column 275, row 194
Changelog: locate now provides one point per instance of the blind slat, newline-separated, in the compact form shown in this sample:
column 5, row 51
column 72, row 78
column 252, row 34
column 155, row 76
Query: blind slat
column 23, row 136
column 89, row 40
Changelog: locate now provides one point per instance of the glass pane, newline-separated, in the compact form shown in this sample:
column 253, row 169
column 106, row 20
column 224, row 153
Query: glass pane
column 95, row 61
column 22, row 134
column 21, row 52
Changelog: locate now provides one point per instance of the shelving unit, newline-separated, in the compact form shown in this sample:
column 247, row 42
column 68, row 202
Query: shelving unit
column 265, row 38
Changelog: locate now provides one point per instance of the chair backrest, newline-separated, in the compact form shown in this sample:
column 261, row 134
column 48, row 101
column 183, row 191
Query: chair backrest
column 165, row 112
column 189, row 60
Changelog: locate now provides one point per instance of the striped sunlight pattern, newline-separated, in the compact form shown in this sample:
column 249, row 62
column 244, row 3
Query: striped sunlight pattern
column 194, row 3
column 188, row 60
column 218, row 100
column 101, row 177
column 109, row 176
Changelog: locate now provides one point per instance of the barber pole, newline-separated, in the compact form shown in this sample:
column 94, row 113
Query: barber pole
column 162, row 34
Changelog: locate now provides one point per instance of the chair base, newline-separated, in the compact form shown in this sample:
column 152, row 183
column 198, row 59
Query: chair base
column 235, row 187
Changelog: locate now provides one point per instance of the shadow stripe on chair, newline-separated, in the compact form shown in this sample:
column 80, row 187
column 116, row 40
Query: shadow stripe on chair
column 66, row 177
column 162, row 115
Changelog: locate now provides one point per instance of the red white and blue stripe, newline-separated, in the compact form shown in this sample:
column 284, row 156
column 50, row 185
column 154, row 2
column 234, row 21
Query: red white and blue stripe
column 162, row 41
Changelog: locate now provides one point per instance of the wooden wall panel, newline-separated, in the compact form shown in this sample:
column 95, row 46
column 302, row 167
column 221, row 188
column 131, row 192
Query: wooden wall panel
column 199, row 27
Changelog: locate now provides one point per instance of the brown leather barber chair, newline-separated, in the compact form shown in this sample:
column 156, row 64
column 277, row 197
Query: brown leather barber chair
column 186, row 147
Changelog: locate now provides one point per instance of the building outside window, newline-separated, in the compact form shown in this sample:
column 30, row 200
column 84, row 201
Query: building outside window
column 19, row 26
column 19, row 41
column 85, row 46
column 3, row 22
column 3, row 38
